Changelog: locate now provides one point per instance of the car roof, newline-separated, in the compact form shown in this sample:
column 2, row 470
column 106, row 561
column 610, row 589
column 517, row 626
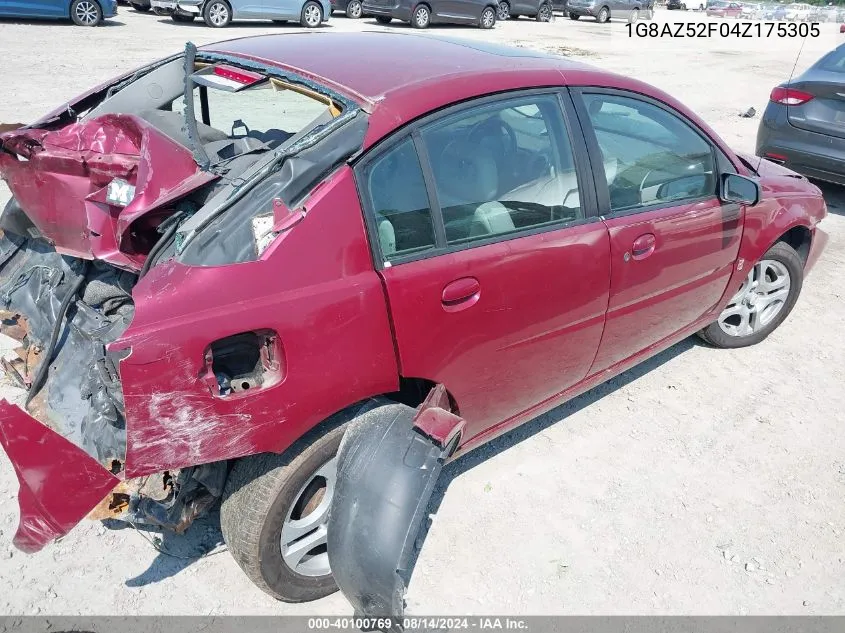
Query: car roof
column 368, row 65
column 402, row 74
column 398, row 77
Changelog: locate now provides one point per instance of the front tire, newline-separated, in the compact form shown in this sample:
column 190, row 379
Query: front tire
column 603, row 16
column 421, row 18
column 354, row 10
column 86, row 13
column 574, row 16
column 488, row 18
column 275, row 509
column 217, row 14
column 761, row 304
column 634, row 16
column 312, row 15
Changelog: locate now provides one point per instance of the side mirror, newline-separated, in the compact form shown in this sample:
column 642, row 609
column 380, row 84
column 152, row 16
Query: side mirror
column 740, row 189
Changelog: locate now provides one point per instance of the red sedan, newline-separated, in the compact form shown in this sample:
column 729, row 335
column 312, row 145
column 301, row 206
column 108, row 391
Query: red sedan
column 724, row 9
column 226, row 265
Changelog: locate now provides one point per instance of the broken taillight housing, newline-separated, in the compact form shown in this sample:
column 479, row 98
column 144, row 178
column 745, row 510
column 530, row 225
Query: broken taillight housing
column 789, row 96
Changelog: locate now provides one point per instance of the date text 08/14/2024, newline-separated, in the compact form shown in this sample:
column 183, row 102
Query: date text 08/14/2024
column 723, row 29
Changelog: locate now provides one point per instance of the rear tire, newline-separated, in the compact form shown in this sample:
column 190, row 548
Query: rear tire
column 634, row 16
column 545, row 13
column 603, row 16
column 785, row 262
column 503, row 12
column 264, row 492
column 574, row 16
column 354, row 10
column 488, row 18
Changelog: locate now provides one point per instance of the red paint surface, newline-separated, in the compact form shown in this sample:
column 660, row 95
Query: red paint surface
column 549, row 316
column 59, row 482
column 62, row 184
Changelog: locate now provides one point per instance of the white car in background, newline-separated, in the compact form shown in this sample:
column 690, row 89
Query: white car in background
column 752, row 11
column 798, row 12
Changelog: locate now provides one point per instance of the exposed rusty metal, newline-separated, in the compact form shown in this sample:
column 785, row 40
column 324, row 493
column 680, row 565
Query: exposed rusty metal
column 115, row 504
column 13, row 325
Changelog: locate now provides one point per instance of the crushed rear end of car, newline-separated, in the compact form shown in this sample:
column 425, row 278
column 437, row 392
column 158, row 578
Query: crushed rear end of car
column 125, row 210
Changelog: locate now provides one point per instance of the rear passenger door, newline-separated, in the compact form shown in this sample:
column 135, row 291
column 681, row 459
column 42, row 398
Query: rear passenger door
column 494, row 261
column 673, row 243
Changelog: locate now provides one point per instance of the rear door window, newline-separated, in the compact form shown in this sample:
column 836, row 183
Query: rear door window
column 503, row 168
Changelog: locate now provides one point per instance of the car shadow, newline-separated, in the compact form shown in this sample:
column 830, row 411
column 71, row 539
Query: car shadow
column 175, row 552
column 834, row 196
column 463, row 464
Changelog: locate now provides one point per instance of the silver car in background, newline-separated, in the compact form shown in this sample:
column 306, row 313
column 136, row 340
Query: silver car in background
column 220, row 13
column 803, row 126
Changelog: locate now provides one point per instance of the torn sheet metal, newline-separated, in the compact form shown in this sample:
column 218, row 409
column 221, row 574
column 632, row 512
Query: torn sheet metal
column 59, row 483
column 64, row 179
column 387, row 470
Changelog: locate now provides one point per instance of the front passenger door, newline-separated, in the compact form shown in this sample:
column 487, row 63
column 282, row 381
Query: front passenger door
column 673, row 243
column 495, row 265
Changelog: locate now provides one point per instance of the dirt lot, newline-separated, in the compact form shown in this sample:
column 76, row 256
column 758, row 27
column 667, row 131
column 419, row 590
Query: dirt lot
column 702, row 482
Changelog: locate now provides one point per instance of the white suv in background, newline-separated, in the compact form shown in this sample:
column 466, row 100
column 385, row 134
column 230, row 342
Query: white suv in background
column 798, row 12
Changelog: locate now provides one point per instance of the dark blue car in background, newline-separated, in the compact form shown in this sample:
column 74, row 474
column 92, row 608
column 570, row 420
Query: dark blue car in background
column 82, row 12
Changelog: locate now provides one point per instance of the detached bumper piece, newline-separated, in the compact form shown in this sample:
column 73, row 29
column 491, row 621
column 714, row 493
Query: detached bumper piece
column 388, row 464
column 59, row 482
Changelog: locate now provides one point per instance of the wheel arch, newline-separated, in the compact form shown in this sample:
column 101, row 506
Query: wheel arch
column 800, row 238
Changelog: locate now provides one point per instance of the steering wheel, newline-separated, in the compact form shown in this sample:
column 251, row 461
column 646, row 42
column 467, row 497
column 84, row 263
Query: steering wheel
column 492, row 128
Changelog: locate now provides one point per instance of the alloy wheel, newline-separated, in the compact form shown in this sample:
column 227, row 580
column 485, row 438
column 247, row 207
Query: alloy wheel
column 421, row 17
column 87, row 13
column 760, row 299
column 603, row 15
column 545, row 14
column 303, row 537
column 354, row 9
column 312, row 15
column 488, row 18
column 504, row 11
column 218, row 14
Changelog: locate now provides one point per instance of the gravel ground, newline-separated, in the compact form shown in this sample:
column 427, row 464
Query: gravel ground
column 702, row 482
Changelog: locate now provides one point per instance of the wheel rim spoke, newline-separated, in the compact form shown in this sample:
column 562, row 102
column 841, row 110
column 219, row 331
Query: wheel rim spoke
column 299, row 537
column 759, row 300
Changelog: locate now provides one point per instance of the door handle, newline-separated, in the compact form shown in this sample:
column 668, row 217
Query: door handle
column 643, row 246
column 460, row 294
